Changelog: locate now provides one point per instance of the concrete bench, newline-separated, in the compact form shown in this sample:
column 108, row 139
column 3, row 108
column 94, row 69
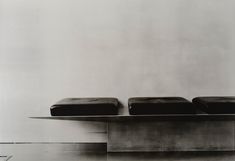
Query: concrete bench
column 165, row 132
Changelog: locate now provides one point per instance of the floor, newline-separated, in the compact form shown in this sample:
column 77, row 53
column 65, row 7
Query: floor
column 79, row 152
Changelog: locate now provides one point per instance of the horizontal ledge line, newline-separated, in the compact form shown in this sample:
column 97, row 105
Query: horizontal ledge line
column 53, row 143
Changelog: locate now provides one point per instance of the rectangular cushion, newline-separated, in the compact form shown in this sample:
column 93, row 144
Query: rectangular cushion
column 160, row 105
column 215, row 104
column 85, row 106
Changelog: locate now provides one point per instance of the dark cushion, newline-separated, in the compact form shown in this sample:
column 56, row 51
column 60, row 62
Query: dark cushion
column 85, row 106
column 215, row 104
column 160, row 105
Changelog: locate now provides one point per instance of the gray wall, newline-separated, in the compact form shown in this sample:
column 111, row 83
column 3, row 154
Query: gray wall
column 51, row 49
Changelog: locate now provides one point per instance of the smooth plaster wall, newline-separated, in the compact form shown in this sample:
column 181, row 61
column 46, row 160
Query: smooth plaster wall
column 51, row 49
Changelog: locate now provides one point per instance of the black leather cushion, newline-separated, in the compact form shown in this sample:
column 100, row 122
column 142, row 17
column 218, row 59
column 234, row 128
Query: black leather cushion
column 85, row 106
column 160, row 105
column 215, row 105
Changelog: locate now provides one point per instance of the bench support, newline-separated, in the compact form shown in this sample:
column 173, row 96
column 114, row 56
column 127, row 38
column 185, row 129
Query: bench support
column 150, row 136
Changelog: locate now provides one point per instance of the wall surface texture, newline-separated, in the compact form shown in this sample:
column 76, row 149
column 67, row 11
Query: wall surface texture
column 51, row 49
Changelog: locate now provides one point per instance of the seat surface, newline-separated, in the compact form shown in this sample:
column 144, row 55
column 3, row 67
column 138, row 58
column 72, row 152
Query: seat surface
column 160, row 105
column 85, row 106
column 216, row 104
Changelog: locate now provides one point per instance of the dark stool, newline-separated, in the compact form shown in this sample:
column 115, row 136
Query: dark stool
column 85, row 106
column 160, row 105
column 215, row 104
